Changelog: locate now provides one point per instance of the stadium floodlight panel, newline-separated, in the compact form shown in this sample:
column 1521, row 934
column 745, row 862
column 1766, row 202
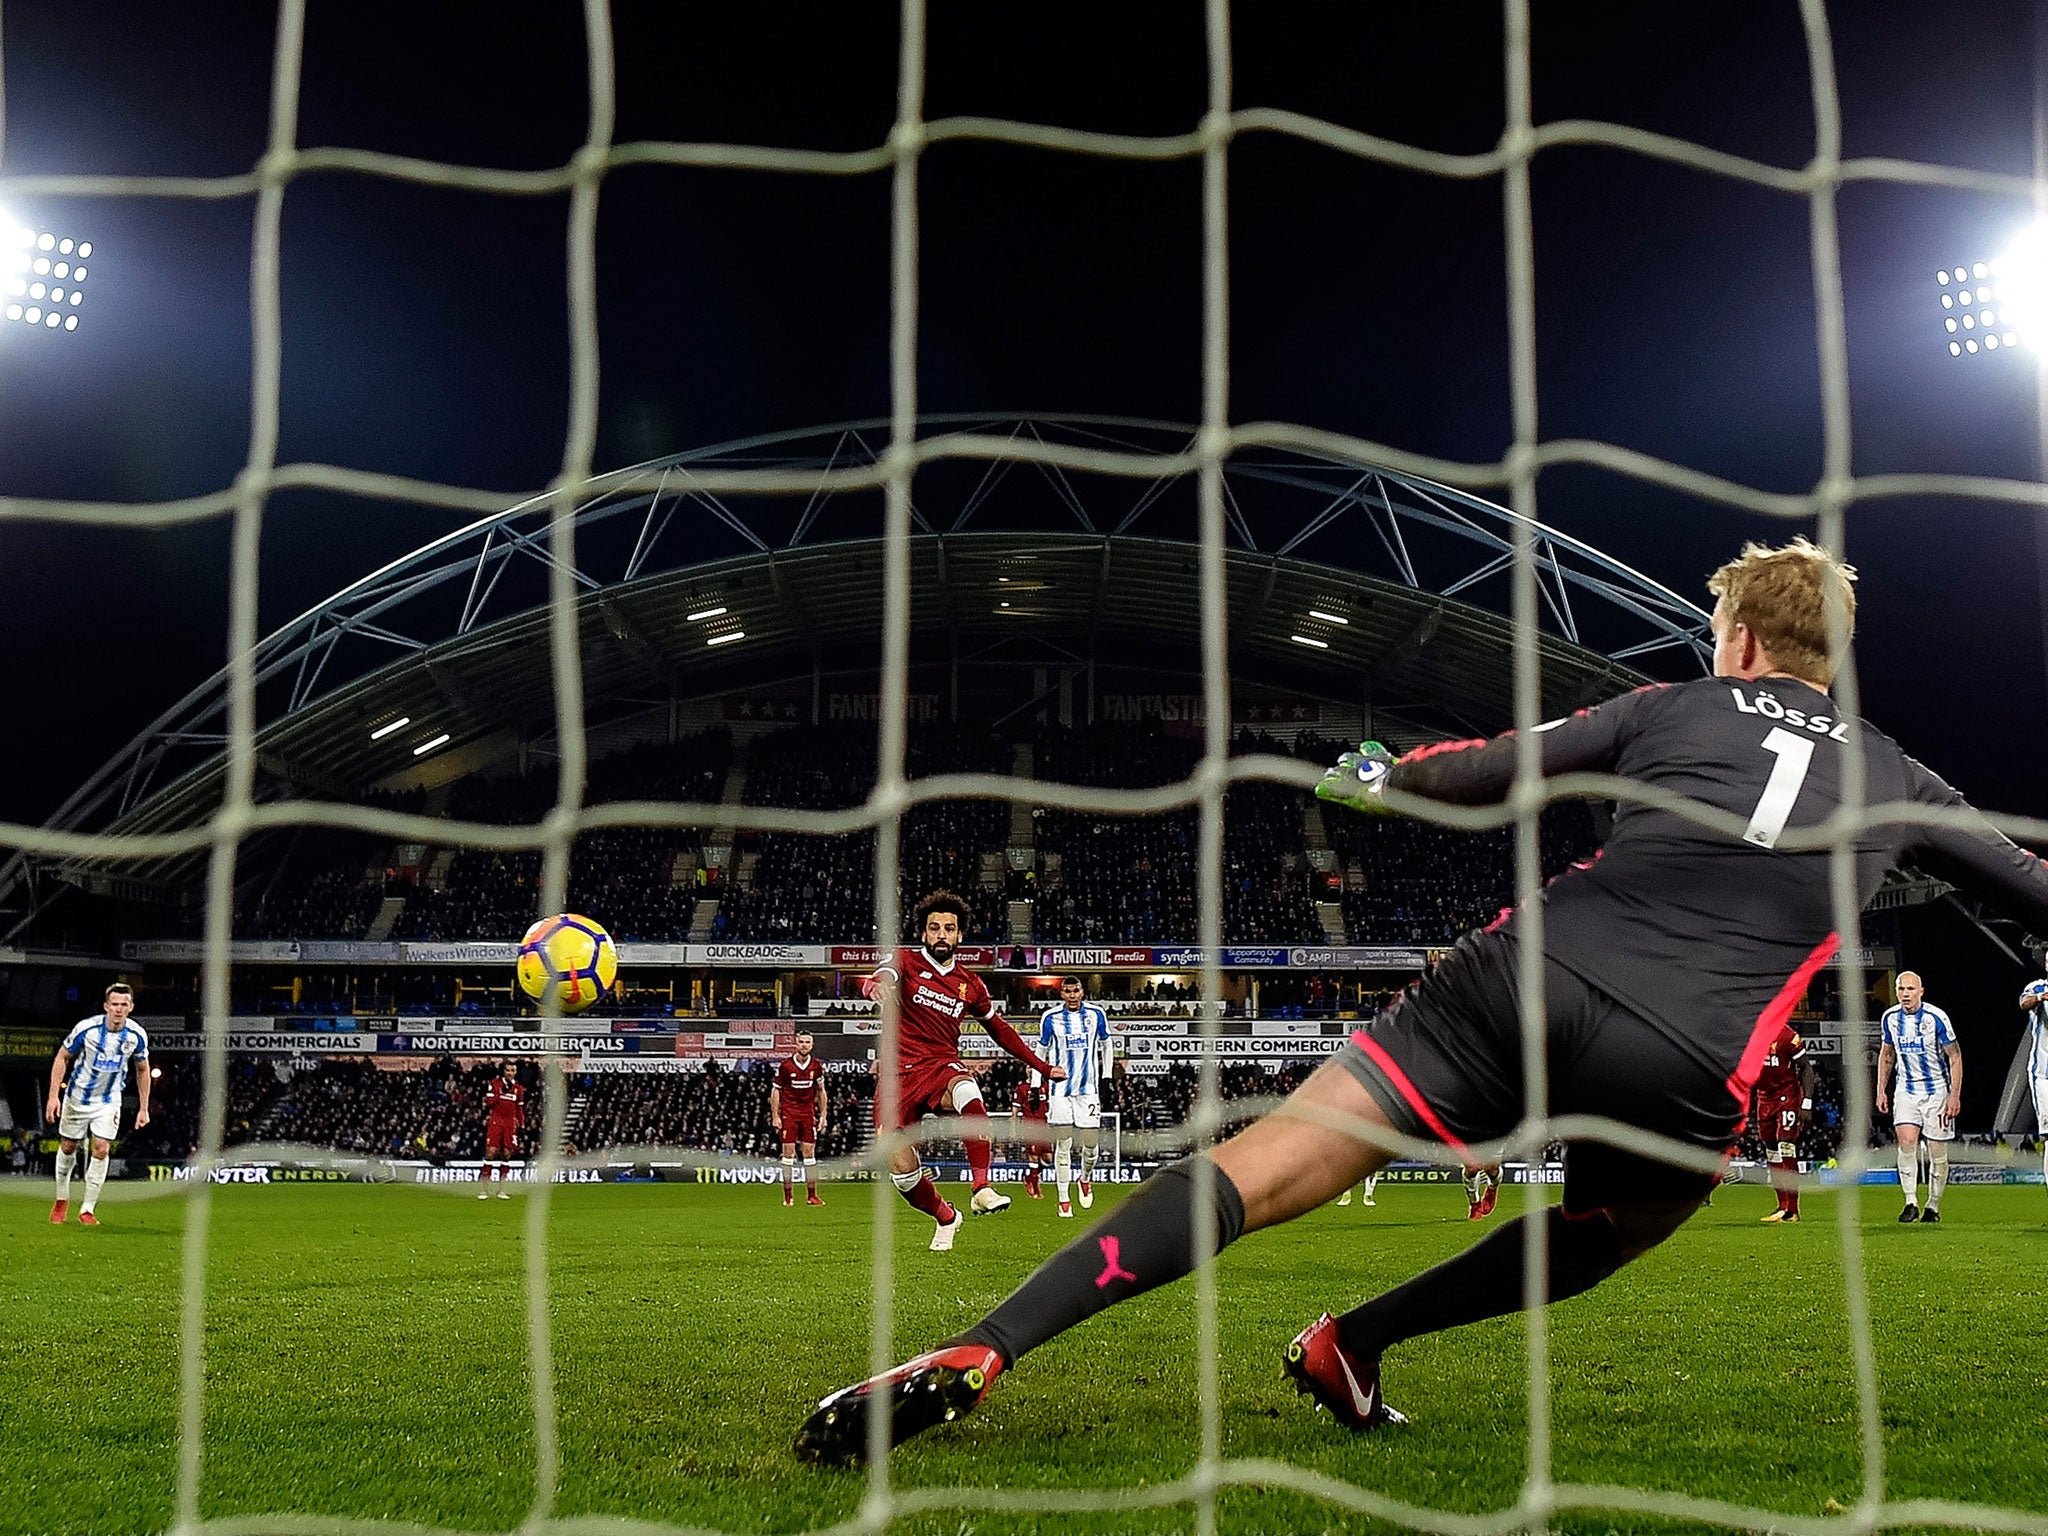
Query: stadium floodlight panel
column 396, row 725
column 727, row 638
column 425, row 747
column 1310, row 640
column 37, row 266
column 702, row 613
column 1328, row 618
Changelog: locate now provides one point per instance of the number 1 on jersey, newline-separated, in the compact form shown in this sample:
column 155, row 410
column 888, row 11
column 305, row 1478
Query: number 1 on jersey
column 1788, row 774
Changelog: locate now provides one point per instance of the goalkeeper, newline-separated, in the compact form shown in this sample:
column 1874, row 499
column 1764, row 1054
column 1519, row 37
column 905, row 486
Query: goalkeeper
column 1668, row 964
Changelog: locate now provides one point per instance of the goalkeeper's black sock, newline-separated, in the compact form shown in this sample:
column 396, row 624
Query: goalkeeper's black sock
column 1484, row 1281
column 1146, row 1241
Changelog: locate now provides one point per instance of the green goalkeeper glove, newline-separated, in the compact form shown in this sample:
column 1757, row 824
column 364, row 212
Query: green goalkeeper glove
column 1358, row 779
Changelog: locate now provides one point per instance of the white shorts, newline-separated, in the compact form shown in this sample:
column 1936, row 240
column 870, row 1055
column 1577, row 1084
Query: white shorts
column 2041, row 1106
column 1925, row 1111
column 76, row 1121
column 1080, row 1110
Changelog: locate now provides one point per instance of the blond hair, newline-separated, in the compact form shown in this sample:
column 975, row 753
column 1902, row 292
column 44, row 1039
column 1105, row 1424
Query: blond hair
column 1782, row 596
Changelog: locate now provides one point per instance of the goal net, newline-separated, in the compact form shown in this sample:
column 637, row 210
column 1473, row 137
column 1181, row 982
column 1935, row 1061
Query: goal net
column 1208, row 141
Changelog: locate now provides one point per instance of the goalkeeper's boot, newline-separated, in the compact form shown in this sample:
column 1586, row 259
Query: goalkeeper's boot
column 1358, row 779
column 57, row 1212
column 933, row 1389
column 1482, row 1189
column 1349, row 1388
column 987, row 1202
column 87, row 1219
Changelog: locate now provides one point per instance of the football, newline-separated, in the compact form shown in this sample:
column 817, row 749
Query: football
column 567, row 961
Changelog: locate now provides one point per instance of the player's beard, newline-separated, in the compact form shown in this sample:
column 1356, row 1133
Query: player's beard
column 939, row 950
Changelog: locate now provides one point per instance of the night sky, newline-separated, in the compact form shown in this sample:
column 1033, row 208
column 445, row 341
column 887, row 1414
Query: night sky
column 425, row 329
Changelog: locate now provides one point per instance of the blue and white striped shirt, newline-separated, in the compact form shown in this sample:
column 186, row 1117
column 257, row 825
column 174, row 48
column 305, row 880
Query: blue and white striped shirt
column 1918, row 1039
column 2037, row 1033
column 1078, row 1040
column 99, row 1060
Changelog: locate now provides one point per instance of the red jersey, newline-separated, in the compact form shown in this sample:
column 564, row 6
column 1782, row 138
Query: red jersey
column 796, row 1083
column 1032, row 1096
column 935, row 1001
column 1780, row 1077
column 505, row 1102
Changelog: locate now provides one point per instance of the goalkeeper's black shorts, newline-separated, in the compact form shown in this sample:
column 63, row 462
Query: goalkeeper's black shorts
column 1445, row 1063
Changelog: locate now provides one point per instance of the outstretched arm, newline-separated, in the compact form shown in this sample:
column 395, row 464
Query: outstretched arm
column 1000, row 1031
column 1480, row 772
column 1978, row 857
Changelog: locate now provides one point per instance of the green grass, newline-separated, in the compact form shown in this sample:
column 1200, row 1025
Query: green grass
column 366, row 1356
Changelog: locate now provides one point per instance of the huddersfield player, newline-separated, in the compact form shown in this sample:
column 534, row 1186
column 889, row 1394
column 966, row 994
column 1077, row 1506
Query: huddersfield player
column 1784, row 1098
column 1667, row 966
column 86, row 1080
column 2034, row 1003
column 1927, row 1095
column 796, row 1109
column 1076, row 1035
column 935, row 994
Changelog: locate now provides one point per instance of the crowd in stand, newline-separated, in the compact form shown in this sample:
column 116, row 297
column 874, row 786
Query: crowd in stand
column 817, row 889
column 1094, row 878
column 721, row 1109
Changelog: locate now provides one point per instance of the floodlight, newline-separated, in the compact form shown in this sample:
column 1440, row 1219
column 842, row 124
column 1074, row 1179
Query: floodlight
column 25, row 242
column 727, row 638
column 425, row 747
column 1321, row 645
column 1328, row 618
column 1980, row 270
column 702, row 613
column 385, row 730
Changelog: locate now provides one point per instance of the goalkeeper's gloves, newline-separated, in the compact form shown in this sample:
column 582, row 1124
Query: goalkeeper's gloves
column 1359, row 778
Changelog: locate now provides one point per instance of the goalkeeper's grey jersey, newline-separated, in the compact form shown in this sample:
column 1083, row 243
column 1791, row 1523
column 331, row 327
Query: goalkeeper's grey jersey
column 1697, row 931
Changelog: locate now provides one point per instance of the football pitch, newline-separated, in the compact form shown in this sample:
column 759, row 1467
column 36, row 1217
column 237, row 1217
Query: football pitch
column 366, row 1357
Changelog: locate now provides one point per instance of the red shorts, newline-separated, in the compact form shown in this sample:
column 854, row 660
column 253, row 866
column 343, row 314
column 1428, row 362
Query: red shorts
column 923, row 1089
column 1779, row 1119
column 1033, row 1128
column 798, row 1128
column 500, row 1138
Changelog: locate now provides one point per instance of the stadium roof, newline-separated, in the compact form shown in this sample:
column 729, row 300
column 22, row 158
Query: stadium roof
column 1346, row 581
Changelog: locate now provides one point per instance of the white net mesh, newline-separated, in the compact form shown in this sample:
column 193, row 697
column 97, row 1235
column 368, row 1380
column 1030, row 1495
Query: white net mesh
column 238, row 815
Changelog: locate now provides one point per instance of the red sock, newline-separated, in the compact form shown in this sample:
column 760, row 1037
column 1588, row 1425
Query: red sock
column 979, row 1153
column 1788, row 1199
column 925, row 1196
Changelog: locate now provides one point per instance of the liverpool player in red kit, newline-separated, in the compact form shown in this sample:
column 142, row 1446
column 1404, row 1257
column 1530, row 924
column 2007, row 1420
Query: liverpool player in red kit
column 796, row 1108
column 504, row 1114
column 935, row 996
column 1784, row 1098
column 1034, row 1139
